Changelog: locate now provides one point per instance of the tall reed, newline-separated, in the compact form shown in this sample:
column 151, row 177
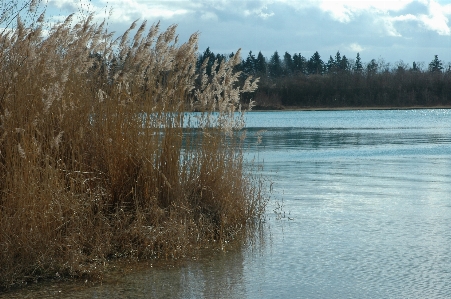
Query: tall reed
column 100, row 157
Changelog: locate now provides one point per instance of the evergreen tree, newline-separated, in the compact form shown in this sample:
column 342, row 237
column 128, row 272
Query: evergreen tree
column 315, row 64
column 337, row 65
column 331, row 65
column 299, row 63
column 436, row 65
column 358, row 68
column 288, row 63
column 260, row 64
column 211, row 59
column 249, row 64
column 344, row 64
column 338, row 59
column 275, row 66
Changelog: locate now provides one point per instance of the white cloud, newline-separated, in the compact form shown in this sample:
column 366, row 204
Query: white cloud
column 407, row 17
column 346, row 10
column 143, row 10
column 353, row 5
column 384, row 13
column 436, row 20
column 355, row 47
column 72, row 6
column 262, row 12
column 264, row 15
column 125, row 11
column 338, row 11
column 209, row 16
column 389, row 27
column 342, row 24
column 446, row 9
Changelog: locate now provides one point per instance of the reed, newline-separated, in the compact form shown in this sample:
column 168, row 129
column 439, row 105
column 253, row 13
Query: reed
column 100, row 157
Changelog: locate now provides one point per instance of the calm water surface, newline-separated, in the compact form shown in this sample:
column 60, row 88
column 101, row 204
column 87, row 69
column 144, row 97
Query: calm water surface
column 361, row 209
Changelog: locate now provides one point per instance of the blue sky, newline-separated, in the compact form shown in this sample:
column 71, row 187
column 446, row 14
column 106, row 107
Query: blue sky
column 408, row 30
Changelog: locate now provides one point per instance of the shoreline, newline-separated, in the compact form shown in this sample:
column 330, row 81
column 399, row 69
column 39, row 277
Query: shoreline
column 299, row 108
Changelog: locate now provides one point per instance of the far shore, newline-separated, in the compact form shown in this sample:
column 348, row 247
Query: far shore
column 300, row 108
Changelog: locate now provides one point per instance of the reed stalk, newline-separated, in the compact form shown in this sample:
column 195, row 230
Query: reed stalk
column 101, row 156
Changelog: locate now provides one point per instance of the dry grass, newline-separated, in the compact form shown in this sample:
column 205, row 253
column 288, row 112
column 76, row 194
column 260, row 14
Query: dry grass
column 98, row 159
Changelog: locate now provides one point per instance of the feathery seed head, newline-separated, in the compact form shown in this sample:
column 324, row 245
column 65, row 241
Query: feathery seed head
column 41, row 18
column 136, row 39
column 32, row 6
column 101, row 95
column 57, row 139
column 109, row 150
column 21, row 151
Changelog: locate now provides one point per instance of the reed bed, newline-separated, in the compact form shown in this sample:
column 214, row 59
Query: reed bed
column 101, row 156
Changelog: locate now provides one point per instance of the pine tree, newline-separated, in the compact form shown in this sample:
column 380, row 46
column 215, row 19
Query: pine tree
column 331, row 65
column 344, row 64
column 338, row 59
column 315, row 64
column 260, row 64
column 299, row 63
column 249, row 64
column 436, row 65
column 211, row 59
column 288, row 63
column 275, row 66
column 358, row 68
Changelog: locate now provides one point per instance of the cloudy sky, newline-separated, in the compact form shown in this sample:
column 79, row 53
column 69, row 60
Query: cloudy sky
column 408, row 30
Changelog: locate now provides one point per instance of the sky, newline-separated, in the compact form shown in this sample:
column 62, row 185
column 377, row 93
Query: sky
column 395, row 30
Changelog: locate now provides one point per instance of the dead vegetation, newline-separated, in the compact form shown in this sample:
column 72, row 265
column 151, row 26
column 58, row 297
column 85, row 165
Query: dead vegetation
column 99, row 158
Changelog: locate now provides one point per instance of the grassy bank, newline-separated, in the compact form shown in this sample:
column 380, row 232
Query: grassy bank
column 98, row 159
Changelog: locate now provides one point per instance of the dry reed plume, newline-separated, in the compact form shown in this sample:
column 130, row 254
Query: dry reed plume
column 99, row 158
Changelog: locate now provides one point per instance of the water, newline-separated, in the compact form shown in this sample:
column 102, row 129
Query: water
column 361, row 209
column 369, row 195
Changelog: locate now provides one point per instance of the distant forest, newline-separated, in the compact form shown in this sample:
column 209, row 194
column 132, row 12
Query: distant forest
column 293, row 81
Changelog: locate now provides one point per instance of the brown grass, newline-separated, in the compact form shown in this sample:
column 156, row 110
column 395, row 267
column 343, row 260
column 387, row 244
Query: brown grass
column 98, row 158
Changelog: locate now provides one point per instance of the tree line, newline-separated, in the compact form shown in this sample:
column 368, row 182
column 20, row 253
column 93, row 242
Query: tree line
column 297, row 81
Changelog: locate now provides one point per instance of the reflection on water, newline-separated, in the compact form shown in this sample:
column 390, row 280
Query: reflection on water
column 214, row 274
column 367, row 214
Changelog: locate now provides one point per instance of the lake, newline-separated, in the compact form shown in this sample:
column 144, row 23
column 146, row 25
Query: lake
column 361, row 208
